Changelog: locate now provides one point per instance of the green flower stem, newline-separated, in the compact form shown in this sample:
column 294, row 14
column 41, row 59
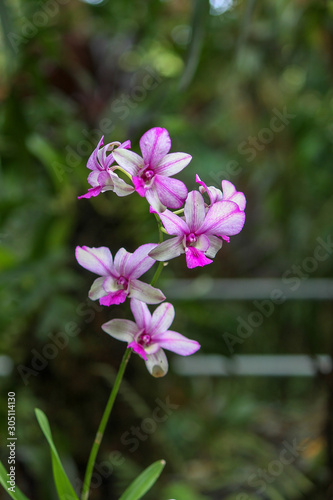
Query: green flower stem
column 160, row 228
column 157, row 273
column 102, row 426
column 178, row 212
column 124, row 172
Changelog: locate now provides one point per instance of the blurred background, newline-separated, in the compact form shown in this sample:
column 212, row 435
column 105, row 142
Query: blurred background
column 245, row 87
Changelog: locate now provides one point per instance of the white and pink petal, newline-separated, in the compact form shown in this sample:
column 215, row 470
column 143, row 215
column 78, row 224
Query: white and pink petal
column 230, row 193
column 155, row 144
column 141, row 314
column 173, row 224
column 97, row 260
column 144, row 292
column 223, row 218
column 161, row 319
column 171, row 192
column 176, row 342
column 172, row 164
column 92, row 163
column 128, row 160
column 97, row 290
column 157, row 364
column 139, row 262
column 121, row 329
column 120, row 187
column 120, row 260
column 194, row 210
column 154, row 200
column 169, row 249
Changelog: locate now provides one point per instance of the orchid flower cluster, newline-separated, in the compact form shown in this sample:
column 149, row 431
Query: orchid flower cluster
column 197, row 230
column 197, row 222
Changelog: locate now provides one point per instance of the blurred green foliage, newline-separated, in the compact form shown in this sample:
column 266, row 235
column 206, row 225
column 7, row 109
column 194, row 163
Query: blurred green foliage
column 248, row 92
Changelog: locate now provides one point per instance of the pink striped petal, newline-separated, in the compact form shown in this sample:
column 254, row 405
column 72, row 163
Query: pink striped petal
column 139, row 262
column 171, row 192
column 173, row 224
column 169, row 249
column 230, row 193
column 196, row 258
column 194, row 211
column 120, row 187
column 144, row 292
column 223, row 218
column 92, row 163
column 153, row 200
column 120, row 260
column 105, row 160
column 128, row 160
column 176, row 342
column 157, row 364
column 93, row 178
column 213, row 193
column 121, row 329
column 155, row 144
column 97, row 260
column 173, row 163
column 141, row 314
column 161, row 319
column 108, row 160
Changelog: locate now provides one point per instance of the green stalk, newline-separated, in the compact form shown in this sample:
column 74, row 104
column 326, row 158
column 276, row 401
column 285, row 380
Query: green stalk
column 157, row 273
column 102, row 426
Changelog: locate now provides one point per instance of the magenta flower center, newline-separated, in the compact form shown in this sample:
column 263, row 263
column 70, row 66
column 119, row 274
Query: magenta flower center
column 144, row 339
column 122, row 282
column 191, row 239
column 147, row 175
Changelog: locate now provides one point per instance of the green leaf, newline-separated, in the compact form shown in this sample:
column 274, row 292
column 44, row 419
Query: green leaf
column 64, row 488
column 17, row 495
column 143, row 482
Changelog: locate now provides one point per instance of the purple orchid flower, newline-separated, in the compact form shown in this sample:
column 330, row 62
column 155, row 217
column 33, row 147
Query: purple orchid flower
column 151, row 172
column 198, row 236
column 150, row 334
column 102, row 176
column 229, row 194
column 119, row 278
